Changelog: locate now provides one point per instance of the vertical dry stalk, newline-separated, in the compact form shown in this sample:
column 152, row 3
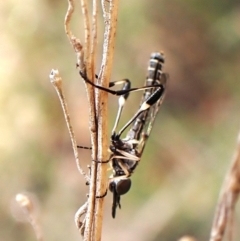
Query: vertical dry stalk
column 90, row 48
column 92, row 225
column 105, row 74
column 85, row 62
column 228, row 198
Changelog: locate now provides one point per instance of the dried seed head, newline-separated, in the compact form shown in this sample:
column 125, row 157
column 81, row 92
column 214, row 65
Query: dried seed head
column 24, row 201
column 24, row 207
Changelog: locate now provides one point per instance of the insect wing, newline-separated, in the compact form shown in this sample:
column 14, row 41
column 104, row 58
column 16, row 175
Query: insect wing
column 150, row 116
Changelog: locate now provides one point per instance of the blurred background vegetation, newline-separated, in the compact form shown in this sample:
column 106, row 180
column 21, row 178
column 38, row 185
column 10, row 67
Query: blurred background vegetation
column 176, row 186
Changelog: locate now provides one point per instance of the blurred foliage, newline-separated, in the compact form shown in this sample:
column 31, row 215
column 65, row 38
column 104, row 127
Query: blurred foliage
column 176, row 186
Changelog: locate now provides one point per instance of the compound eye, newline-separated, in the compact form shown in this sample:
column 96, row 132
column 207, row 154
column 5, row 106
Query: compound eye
column 121, row 186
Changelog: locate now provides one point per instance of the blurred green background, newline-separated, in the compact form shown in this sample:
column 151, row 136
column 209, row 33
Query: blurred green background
column 176, row 186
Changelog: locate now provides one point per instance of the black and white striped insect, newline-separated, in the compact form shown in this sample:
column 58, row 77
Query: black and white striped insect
column 126, row 152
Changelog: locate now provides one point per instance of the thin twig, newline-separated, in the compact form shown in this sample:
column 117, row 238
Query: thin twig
column 75, row 42
column 228, row 198
column 90, row 68
column 87, row 42
column 86, row 65
column 95, row 232
column 56, row 80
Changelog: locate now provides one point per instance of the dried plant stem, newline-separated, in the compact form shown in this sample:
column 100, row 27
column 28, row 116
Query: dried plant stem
column 228, row 198
column 75, row 42
column 56, row 80
column 87, row 35
column 92, row 231
column 92, row 224
column 102, row 108
column 86, row 64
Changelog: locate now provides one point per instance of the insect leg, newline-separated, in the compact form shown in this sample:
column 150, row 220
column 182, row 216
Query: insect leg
column 84, row 147
column 116, row 92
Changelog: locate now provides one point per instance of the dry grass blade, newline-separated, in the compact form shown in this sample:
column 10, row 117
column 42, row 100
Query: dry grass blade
column 227, row 201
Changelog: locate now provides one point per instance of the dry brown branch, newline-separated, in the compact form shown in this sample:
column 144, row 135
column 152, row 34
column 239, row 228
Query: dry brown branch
column 228, row 198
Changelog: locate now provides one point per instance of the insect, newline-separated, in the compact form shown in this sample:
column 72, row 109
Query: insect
column 126, row 152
